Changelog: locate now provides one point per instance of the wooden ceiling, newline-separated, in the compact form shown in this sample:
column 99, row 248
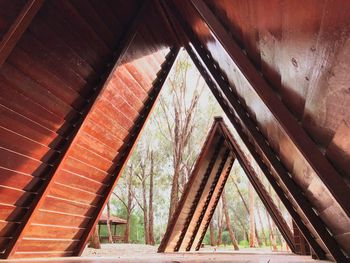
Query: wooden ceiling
column 79, row 78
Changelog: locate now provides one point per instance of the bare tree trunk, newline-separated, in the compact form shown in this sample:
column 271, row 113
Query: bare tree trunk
column 262, row 226
column 228, row 221
column 145, row 206
column 256, row 236
column 212, row 233
column 95, row 239
column 129, row 207
column 272, row 234
column 220, row 225
column 110, row 237
column 174, row 196
column 151, row 219
column 251, row 217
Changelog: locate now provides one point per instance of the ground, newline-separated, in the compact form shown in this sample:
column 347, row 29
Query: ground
column 133, row 253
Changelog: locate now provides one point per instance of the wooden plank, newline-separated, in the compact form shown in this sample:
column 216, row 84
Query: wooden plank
column 304, row 144
column 258, row 158
column 22, row 181
column 80, row 181
column 76, row 194
column 67, row 206
column 36, row 92
column 7, row 227
column 21, row 163
column 177, row 221
column 135, row 133
column 202, row 228
column 30, row 245
column 306, row 208
column 42, row 199
column 9, row 40
column 45, row 231
column 25, row 127
column 203, row 202
column 54, row 218
column 13, row 196
column 11, row 212
column 265, row 197
column 74, row 166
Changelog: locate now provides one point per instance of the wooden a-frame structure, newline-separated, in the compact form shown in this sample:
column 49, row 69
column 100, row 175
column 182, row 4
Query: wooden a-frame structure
column 191, row 219
column 79, row 79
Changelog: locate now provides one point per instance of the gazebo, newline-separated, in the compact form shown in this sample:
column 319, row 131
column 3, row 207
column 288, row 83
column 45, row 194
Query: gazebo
column 114, row 221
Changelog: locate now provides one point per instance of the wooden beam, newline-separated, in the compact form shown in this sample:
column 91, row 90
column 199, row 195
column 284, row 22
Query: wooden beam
column 199, row 234
column 205, row 151
column 330, row 177
column 131, row 142
column 66, row 147
column 223, row 162
column 260, row 189
column 237, row 124
column 19, row 26
column 236, row 107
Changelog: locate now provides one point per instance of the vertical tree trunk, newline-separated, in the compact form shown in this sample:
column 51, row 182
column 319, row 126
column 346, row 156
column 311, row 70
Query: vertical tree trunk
column 212, row 233
column 110, row 237
column 174, row 196
column 262, row 226
column 95, row 239
column 251, row 217
column 151, row 221
column 145, row 210
column 228, row 221
column 220, row 225
column 272, row 234
column 256, row 236
column 129, row 207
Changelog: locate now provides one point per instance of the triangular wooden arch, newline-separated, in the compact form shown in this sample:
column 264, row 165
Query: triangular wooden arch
column 191, row 219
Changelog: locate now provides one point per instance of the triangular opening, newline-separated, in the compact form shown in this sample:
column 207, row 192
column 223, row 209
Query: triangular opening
column 155, row 154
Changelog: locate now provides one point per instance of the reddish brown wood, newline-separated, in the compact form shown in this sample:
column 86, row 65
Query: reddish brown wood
column 15, row 32
column 40, row 202
column 265, row 197
column 251, row 147
column 132, row 139
column 304, row 144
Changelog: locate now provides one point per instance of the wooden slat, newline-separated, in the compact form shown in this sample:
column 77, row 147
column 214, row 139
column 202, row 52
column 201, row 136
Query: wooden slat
column 134, row 135
column 45, row 231
column 43, row 199
column 9, row 40
column 46, row 217
column 290, row 126
column 31, row 245
column 196, row 241
column 11, row 212
column 258, row 158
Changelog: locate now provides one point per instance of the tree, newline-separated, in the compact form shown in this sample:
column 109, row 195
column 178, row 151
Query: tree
column 251, row 217
column 151, row 212
column 95, row 239
column 130, row 206
column 180, row 121
column 212, row 233
column 110, row 237
column 228, row 221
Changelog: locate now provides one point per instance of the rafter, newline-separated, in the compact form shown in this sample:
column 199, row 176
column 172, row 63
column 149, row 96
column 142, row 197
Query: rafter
column 131, row 141
column 77, row 128
column 18, row 27
column 302, row 141
column 265, row 197
column 264, row 167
